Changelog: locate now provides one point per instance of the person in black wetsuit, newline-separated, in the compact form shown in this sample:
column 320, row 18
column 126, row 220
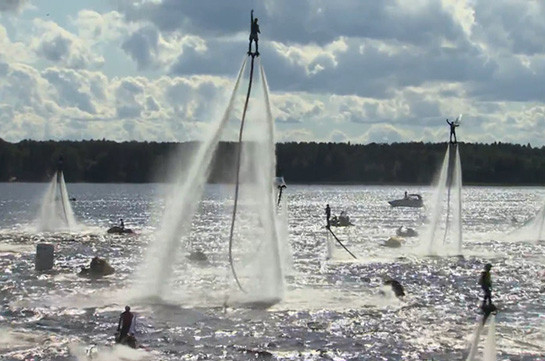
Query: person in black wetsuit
column 327, row 214
column 122, row 224
column 485, row 282
column 254, row 30
column 453, row 126
column 124, row 326
column 60, row 163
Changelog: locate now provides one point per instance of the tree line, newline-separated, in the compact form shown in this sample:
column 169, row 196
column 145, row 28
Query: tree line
column 101, row 161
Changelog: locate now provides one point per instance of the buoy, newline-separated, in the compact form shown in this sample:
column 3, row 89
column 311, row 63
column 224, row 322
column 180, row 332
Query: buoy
column 45, row 256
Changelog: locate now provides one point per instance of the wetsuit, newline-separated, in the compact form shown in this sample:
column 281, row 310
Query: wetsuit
column 124, row 326
column 327, row 214
column 254, row 30
column 486, row 284
column 453, row 126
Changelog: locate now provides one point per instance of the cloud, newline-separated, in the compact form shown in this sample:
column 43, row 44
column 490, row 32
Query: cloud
column 384, row 133
column 13, row 51
column 59, row 46
column 150, row 49
column 291, row 108
column 64, row 103
column 295, row 135
column 100, row 28
column 12, row 5
column 349, row 71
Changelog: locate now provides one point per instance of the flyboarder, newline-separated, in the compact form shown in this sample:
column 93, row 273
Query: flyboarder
column 453, row 126
column 254, row 30
column 125, row 327
column 486, row 284
column 327, row 214
column 121, row 224
column 60, row 163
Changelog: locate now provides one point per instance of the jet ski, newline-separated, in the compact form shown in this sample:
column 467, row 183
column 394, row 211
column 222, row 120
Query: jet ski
column 119, row 230
column 98, row 268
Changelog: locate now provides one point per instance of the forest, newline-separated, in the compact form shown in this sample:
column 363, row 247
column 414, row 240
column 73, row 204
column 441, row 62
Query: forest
column 103, row 161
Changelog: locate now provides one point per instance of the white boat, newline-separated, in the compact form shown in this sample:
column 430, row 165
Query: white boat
column 412, row 200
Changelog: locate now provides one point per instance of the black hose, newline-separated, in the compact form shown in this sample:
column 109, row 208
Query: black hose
column 339, row 241
column 239, row 154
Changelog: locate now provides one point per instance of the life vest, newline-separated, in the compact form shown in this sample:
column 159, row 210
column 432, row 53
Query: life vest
column 485, row 279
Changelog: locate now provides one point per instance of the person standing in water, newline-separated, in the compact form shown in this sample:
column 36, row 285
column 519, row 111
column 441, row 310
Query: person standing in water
column 327, row 214
column 125, row 325
column 486, row 284
column 254, row 30
column 122, row 224
column 453, row 126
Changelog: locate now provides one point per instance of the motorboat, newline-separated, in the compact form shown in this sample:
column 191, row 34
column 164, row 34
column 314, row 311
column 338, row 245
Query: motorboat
column 341, row 221
column 411, row 200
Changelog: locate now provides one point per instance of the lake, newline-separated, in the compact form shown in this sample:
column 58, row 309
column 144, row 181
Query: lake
column 333, row 307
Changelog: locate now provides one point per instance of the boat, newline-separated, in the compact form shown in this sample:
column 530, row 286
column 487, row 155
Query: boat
column 412, row 200
column 342, row 221
column 119, row 230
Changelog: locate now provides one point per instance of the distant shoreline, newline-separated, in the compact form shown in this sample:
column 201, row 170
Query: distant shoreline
column 303, row 184
column 396, row 164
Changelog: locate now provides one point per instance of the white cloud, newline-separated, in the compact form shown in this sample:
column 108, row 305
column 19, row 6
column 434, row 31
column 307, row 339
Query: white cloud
column 100, row 28
column 384, row 133
column 151, row 49
column 349, row 71
column 13, row 51
column 12, row 5
column 59, row 46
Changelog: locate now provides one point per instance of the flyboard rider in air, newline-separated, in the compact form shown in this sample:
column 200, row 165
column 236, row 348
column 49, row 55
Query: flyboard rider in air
column 254, row 30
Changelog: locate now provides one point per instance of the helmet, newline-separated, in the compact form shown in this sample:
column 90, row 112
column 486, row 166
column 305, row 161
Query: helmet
column 488, row 266
column 127, row 308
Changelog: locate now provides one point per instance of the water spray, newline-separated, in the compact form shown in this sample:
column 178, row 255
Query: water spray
column 237, row 181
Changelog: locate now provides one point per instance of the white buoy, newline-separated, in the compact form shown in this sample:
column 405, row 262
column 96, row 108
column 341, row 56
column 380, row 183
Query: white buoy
column 45, row 255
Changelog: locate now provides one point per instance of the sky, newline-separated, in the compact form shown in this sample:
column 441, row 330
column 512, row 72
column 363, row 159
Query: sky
column 346, row 70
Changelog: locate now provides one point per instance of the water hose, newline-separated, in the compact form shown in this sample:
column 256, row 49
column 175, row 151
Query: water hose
column 237, row 184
